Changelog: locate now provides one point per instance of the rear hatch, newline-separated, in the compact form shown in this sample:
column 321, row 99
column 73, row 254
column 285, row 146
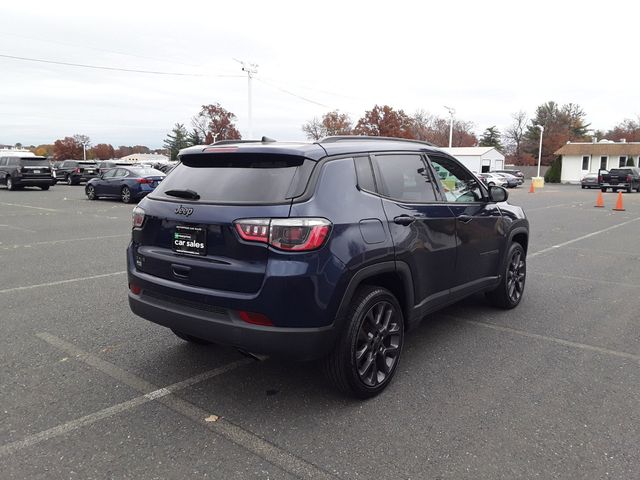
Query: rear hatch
column 35, row 167
column 189, row 235
column 618, row 175
column 87, row 169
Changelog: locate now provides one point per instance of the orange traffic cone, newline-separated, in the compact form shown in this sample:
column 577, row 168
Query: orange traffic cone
column 619, row 206
column 599, row 201
column 532, row 189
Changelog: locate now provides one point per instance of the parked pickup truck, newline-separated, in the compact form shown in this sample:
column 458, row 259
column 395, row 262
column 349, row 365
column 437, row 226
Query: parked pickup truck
column 626, row 178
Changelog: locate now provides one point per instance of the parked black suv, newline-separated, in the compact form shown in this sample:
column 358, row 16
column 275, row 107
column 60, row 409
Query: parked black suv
column 26, row 171
column 330, row 249
column 75, row 171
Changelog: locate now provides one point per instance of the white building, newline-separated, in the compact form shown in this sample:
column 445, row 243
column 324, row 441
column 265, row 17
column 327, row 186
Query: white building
column 478, row 159
column 149, row 158
column 579, row 159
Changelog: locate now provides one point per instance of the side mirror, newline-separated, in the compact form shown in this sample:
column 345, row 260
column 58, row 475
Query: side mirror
column 498, row 194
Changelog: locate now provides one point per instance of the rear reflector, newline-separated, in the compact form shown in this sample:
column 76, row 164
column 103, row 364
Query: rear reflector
column 135, row 289
column 255, row 318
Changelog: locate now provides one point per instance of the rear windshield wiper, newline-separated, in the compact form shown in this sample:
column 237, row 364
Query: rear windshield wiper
column 190, row 194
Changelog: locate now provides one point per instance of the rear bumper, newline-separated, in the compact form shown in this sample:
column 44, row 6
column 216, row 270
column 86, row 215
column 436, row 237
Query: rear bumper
column 224, row 327
column 616, row 186
column 33, row 182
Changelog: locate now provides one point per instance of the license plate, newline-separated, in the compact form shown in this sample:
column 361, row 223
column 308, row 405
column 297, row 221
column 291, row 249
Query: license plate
column 91, row 171
column 36, row 171
column 190, row 240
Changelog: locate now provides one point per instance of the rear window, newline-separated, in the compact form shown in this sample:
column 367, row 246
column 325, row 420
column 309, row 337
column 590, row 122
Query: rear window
column 620, row 171
column 35, row 162
column 87, row 164
column 238, row 178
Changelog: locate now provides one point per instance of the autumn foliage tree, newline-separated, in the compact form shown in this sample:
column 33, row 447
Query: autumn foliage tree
column 384, row 121
column 434, row 129
column 562, row 123
column 332, row 123
column 627, row 129
column 215, row 122
column 102, row 151
column 67, row 148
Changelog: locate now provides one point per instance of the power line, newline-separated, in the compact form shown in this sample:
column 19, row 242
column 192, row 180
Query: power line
column 116, row 69
column 58, row 42
column 292, row 94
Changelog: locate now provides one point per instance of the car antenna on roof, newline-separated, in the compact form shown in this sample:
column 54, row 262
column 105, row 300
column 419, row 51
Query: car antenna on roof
column 267, row 140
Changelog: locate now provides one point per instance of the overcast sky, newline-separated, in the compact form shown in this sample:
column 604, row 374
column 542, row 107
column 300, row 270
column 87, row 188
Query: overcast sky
column 487, row 59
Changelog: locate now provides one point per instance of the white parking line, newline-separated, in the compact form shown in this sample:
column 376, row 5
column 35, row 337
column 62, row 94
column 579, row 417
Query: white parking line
column 582, row 279
column 566, row 343
column 18, row 228
column 114, row 410
column 564, row 244
column 62, row 282
column 234, row 433
column 55, row 242
column 29, row 206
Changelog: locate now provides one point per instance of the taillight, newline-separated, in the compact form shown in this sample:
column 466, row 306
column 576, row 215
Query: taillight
column 138, row 217
column 144, row 180
column 599, row 178
column 77, row 170
column 629, row 178
column 290, row 234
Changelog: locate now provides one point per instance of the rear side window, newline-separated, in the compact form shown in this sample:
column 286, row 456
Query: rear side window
column 3, row 161
column 404, row 178
column 365, row 174
column 238, row 178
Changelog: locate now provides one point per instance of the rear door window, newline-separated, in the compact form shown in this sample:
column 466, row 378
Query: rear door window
column 404, row 177
column 238, row 178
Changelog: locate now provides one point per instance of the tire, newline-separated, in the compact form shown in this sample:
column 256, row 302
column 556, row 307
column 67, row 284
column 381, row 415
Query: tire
column 10, row 184
column 90, row 191
column 367, row 353
column 44, row 187
column 583, row 187
column 603, row 190
column 514, row 274
column 69, row 180
column 190, row 338
column 629, row 190
column 125, row 195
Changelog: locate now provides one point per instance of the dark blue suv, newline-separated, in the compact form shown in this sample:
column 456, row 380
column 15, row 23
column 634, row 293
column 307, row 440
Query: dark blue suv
column 331, row 250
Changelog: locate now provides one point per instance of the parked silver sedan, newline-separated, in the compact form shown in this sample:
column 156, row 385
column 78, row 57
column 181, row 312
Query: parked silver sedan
column 491, row 179
column 590, row 180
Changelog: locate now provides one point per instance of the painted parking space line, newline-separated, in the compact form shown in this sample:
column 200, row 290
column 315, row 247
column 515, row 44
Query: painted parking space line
column 62, row 282
column 228, row 430
column 29, row 206
column 586, row 280
column 559, row 341
column 17, row 228
column 588, row 235
column 153, row 395
column 66, row 240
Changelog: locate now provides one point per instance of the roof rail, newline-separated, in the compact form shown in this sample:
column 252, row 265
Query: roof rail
column 228, row 142
column 346, row 138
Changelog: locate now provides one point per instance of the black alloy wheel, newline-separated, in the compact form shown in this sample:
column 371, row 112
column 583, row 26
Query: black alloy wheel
column 10, row 184
column 367, row 352
column 509, row 292
column 378, row 344
column 91, row 192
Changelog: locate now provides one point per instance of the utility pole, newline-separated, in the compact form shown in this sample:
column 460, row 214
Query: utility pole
column 452, row 111
column 251, row 69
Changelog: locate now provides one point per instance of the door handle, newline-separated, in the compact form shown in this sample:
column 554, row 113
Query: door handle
column 404, row 220
column 465, row 218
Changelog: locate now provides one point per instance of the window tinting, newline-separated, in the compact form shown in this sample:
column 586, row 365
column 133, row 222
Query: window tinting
column 365, row 174
column 235, row 179
column 456, row 182
column 109, row 173
column 404, row 178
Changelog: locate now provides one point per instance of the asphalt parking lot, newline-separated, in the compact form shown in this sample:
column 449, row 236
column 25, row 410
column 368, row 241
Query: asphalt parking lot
column 548, row 390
